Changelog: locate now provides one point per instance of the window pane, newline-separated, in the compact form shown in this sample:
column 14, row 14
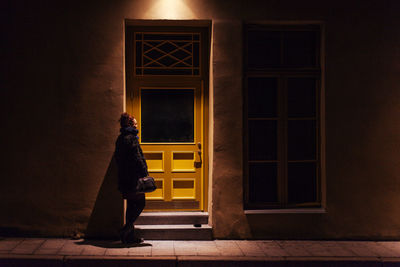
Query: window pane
column 300, row 48
column 262, row 97
column 167, row 36
column 302, row 182
column 196, row 55
column 301, row 97
column 263, row 182
column 167, row 71
column 138, row 54
column 167, row 53
column 262, row 140
column 301, row 140
column 263, row 49
column 167, row 115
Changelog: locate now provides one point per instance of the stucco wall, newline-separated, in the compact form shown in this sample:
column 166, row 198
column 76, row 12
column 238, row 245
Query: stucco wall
column 63, row 89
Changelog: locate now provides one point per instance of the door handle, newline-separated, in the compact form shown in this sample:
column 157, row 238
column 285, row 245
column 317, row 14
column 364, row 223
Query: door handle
column 198, row 164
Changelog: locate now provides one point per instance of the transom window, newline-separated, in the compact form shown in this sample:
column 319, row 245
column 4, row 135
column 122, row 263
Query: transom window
column 167, row 53
column 282, row 78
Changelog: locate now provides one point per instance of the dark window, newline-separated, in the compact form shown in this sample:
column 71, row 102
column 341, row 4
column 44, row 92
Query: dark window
column 263, row 139
column 302, row 182
column 282, row 90
column 299, row 48
column 264, row 176
column 301, row 94
column 266, row 89
column 301, row 140
column 263, row 49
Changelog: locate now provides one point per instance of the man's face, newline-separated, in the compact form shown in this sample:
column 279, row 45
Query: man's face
column 134, row 123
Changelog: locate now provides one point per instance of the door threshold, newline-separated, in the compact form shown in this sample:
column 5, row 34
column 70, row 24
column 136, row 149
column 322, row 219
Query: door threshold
column 175, row 217
column 175, row 213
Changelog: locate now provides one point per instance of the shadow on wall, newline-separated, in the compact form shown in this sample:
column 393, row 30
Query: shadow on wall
column 107, row 215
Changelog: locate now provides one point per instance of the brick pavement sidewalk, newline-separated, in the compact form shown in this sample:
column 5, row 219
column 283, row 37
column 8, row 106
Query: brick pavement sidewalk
column 237, row 252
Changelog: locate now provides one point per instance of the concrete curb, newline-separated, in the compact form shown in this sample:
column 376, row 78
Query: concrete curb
column 193, row 261
column 31, row 260
column 105, row 261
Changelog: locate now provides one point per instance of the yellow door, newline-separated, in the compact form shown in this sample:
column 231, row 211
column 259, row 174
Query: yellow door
column 170, row 132
column 166, row 67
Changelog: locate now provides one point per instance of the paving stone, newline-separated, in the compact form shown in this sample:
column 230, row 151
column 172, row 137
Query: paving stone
column 272, row 248
column 184, row 244
column 93, row 250
column 358, row 248
column 9, row 244
column 50, row 247
column 46, row 251
column 116, row 252
column 208, row 251
column 185, row 248
column 162, row 252
column 162, row 248
column 140, row 250
column 27, row 246
column 316, row 249
column 53, row 244
column 71, row 248
column 381, row 250
column 162, row 243
column 336, row 249
column 250, row 248
column 294, row 248
column 228, row 248
column 207, row 248
column 226, row 243
column 392, row 246
column 185, row 252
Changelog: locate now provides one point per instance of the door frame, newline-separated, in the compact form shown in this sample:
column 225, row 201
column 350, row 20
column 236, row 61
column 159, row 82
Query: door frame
column 202, row 26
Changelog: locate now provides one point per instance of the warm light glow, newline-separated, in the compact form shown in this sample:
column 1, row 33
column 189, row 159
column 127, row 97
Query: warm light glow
column 170, row 9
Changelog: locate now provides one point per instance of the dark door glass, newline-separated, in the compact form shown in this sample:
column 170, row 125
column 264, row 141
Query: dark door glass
column 167, row 115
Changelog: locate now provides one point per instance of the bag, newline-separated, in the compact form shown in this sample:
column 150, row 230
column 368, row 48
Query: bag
column 146, row 185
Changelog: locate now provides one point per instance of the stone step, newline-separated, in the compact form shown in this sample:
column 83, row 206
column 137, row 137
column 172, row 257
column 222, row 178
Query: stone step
column 174, row 232
column 183, row 217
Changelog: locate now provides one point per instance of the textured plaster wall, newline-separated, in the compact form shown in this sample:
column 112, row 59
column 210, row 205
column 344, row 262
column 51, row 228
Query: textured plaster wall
column 62, row 89
column 227, row 190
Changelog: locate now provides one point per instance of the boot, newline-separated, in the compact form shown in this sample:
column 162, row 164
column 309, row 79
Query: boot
column 124, row 233
column 131, row 237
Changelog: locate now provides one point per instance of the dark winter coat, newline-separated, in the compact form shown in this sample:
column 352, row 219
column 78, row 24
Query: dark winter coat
column 130, row 160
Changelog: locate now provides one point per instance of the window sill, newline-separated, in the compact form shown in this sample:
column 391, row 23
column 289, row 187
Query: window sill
column 287, row 211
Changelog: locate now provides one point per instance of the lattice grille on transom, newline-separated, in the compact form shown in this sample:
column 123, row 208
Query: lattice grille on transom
column 167, row 54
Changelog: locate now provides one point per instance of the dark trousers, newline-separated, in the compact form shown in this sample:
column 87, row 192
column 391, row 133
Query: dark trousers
column 135, row 206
